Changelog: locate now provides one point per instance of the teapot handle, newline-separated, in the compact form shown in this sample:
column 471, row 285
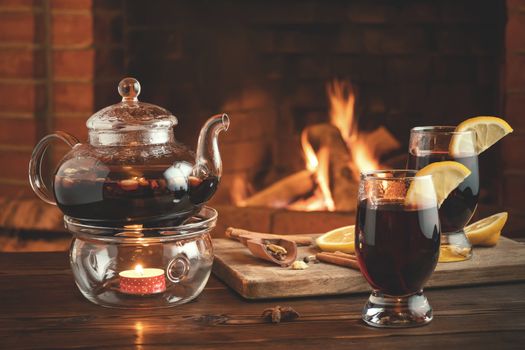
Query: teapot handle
column 35, row 164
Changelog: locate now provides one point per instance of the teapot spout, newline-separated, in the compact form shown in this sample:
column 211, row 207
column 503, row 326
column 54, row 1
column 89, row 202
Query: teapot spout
column 208, row 159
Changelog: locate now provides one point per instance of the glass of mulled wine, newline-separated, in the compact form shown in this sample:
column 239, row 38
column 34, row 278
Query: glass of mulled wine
column 429, row 144
column 397, row 245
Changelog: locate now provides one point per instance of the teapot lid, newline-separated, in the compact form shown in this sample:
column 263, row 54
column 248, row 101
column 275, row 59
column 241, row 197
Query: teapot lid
column 131, row 114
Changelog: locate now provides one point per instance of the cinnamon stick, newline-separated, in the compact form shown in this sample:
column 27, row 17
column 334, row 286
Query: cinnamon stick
column 338, row 259
column 345, row 255
column 235, row 233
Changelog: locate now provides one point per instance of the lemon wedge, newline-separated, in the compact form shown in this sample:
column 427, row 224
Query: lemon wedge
column 341, row 239
column 489, row 130
column 486, row 232
column 446, row 176
column 452, row 253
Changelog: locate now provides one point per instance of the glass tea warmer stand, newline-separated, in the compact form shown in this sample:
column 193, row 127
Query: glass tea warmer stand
column 133, row 197
column 152, row 267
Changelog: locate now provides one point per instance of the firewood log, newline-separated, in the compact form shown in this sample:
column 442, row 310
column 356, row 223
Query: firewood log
column 284, row 191
column 342, row 184
column 381, row 141
column 29, row 214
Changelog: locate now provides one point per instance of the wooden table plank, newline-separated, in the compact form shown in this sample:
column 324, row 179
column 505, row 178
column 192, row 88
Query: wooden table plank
column 40, row 307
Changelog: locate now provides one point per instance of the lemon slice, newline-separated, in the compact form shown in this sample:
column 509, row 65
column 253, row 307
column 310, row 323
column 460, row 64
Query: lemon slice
column 462, row 145
column 341, row 239
column 446, row 176
column 452, row 253
column 489, row 130
column 486, row 232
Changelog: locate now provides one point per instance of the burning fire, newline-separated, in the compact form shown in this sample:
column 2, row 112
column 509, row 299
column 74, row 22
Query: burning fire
column 342, row 116
column 342, row 103
column 323, row 180
column 319, row 164
column 312, row 163
column 335, row 154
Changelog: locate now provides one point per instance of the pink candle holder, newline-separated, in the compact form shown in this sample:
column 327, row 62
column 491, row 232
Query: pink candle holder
column 142, row 281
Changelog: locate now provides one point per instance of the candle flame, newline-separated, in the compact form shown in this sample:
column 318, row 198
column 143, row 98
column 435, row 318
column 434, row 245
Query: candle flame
column 139, row 269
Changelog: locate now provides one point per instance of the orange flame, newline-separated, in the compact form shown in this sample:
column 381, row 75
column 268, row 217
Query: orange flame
column 342, row 115
column 342, row 103
column 323, row 178
column 363, row 156
column 309, row 154
column 318, row 164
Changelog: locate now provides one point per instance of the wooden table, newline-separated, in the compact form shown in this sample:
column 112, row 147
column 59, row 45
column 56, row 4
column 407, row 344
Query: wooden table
column 40, row 307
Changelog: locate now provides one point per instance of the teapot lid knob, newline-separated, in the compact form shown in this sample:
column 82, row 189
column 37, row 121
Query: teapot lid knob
column 129, row 89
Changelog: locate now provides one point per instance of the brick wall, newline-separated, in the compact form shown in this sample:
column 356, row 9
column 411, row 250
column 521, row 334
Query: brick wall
column 512, row 148
column 55, row 67
column 87, row 60
column 22, row 101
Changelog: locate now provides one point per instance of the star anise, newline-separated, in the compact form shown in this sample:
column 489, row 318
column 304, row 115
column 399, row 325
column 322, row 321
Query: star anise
column 280, row 313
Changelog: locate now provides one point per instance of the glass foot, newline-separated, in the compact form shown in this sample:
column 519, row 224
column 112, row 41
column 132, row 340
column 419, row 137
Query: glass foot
column 385, row 311
column 455, row 246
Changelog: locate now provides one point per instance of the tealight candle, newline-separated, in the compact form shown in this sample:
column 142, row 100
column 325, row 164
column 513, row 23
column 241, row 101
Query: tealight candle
column 142, row 281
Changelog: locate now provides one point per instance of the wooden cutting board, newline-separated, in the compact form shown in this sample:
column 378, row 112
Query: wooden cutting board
column 257, row 279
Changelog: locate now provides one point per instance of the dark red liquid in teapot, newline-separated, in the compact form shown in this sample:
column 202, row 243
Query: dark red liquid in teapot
column 131, row 195
column 397, row 247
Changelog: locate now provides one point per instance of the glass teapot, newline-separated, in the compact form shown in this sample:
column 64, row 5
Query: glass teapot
column 132, row 170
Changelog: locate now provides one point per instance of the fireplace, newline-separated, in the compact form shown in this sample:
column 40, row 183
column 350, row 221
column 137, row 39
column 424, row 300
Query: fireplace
column 270, row 66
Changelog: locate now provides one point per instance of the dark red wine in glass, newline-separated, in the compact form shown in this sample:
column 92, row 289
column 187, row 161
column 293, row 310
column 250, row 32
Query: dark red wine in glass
column 459, row 207
column 397, row 240
column 398, row 247
column 430, row 144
